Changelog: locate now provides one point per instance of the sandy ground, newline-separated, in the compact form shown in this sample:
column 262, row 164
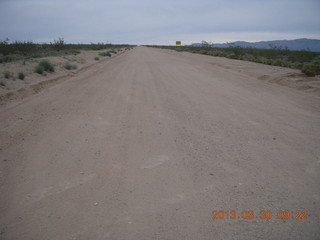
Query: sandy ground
column 148, row 144
column 15, row 88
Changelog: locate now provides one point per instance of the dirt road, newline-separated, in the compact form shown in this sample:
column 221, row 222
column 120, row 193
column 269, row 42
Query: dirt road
column 148, row 144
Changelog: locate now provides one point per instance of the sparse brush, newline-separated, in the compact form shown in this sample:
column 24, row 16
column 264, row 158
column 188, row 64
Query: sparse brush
column 232, row 56
column 7, row 74
column 48, row 66
column 44, row 65
column 2, row 83
column 307, row 61
column 70, row 66
column 21, row 75
column 20, row 50
column 311, row 69
column 39, row 69
column 96, row 58
column 104, row 54
column 74, row 51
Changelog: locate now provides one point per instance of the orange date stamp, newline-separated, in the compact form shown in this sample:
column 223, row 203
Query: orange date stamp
column 267, row 214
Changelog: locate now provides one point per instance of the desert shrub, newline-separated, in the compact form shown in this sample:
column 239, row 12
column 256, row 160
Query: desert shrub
column 59, row 43
column 74, row 51
column 269, row 62
column 202, row 51
column 232, row 56
column 259, row 59
column 221, row 54
column 311, row 69
column 21, row 75
column 96, row 58
column 39, row 69
column 277, row 62
column 7, row 58
column 70, row 66
column 104, row 54
column 2, row 83
column 47, row 66
column 7, row 74
column 297, row 65
column 44, row 65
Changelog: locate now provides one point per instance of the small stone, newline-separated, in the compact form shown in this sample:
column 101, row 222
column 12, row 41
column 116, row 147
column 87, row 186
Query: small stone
column 96, row 204
column 82, row 173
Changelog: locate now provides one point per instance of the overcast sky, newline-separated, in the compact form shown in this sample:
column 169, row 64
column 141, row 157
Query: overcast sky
column 158, row 21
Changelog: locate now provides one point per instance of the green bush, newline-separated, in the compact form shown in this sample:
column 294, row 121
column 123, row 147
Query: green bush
column 104, row 54
column 70, row 66
column 21, row 75
column 281, row 63
column 202, row 51
column 311, row 69
column 7, row 58
column 74, row 52
column 39, row 69
column 232, row 56
column 44, row 65
column 221, row 54
column 297, row 65
column 260, row 59
column 7, row 74
column 48, row 66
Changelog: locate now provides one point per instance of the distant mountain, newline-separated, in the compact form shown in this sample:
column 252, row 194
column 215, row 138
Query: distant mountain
column 298, row 44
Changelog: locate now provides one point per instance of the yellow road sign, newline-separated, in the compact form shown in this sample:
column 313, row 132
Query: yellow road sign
column 178, row 43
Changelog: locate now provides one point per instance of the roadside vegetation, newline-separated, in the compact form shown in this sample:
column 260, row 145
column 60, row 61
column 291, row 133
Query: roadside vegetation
column 44, row 66
column 19, row 59
column 7, row 74
column 104, row 54
column 21, row 75
column 308, row 62
column 12, row 51
column 70, row 66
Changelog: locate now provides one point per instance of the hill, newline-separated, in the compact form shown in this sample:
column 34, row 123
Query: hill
column 297, row 44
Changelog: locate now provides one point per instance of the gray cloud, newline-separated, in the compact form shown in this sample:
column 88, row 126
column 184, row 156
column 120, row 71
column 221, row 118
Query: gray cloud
column 155, row 21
